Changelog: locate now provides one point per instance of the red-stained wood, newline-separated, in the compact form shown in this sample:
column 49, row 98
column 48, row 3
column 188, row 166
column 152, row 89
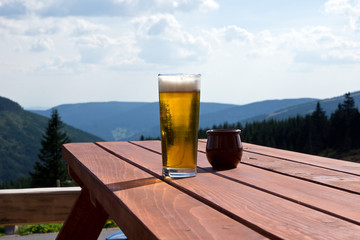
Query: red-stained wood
column 36, row 205
column 340, row 180
column 335, row 164
column 327, row 176
column 324, row 162
column 144, row 206
column 274, row 214
column 85, row 220
column 333, row 201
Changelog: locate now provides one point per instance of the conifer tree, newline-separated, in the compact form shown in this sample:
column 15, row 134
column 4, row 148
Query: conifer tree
column 345, row 126
column 51, row 166
column 318, row 130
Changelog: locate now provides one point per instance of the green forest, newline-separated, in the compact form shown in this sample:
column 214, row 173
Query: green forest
column 21, row 133
column 336, row 136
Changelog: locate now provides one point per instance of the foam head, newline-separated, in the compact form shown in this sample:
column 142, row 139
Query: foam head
column 179, row 82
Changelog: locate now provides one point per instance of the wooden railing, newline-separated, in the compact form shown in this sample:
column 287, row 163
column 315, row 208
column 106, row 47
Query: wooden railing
column 36, row 205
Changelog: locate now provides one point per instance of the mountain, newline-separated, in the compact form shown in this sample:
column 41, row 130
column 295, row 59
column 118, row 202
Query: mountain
column 119, row 120
column 129, row 120
column 329, row 105
column 20, row 135
column 21, row 130
column 240, row 113
column 122, row 121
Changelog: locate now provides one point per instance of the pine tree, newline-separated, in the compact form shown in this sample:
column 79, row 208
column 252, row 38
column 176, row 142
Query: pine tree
column 345, row 126
column 318, row 130
column 51, row 166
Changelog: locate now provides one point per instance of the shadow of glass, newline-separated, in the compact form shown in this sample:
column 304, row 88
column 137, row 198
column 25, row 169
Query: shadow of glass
column 132, row 183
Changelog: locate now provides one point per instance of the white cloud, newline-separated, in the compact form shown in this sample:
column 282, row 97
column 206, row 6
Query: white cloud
column 309, row 38
column 338, row 6
column 60, row 65
column 81, row 27
column 42, row 44
column 237, row 34
column 163, row 40
column 318, row 44
column 55, row 25
column 83, row 40
column 185, row 5
column 345, row 56
column 310, row 44
column 10, row 27
column 164, row 25
column 348, row 8
column 95, row 48
column 12, row 9
column 208, row 5
column 95, row 8
column 30, row 27
column 41, row 30
column 108, row 52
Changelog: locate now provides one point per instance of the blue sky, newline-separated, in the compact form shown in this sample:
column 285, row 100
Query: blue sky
column 58, row 51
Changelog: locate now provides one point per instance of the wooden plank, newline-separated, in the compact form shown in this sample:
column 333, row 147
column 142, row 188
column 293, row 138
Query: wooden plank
column 333, row 201
column 283, row 218
column 337, row 179
column 326, row 176
column 307, row 193
column 335, row 164
column 85, row 221
column 36, row 205
column 142, row 205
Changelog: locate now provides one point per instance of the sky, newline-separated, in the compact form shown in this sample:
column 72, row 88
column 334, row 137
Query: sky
column 56, row 52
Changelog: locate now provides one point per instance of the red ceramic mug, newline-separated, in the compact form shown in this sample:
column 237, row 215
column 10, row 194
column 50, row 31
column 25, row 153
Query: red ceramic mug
column 224, row 148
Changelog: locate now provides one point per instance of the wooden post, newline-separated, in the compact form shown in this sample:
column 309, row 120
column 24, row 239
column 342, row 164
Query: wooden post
column 85, row 221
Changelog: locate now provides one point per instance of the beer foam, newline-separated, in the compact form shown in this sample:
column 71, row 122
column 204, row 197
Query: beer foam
column 179, row 82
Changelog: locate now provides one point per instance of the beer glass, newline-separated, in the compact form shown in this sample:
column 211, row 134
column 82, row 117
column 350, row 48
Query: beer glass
column 179, row 99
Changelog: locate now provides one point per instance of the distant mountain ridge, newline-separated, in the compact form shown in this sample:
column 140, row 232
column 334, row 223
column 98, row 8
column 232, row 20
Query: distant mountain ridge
column 20, row 135
column 21, row 130
column 329, row 105
column 115, row 121
column 122, row 121
column 242, row 112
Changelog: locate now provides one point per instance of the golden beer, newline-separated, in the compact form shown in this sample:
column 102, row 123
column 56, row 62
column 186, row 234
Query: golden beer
column 179, row 122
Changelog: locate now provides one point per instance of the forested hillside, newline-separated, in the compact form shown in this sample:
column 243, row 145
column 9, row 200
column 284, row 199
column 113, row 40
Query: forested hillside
column 121, row 121
column 337, row 135
column 328, row 105
column 20, row 135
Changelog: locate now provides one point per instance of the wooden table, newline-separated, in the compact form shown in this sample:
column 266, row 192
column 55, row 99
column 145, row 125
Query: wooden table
column 272, row 194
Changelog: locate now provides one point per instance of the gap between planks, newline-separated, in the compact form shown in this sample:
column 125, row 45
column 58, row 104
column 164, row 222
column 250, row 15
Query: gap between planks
column 296, row 161
column 113, row 149
column 218, row 208
column 263, row 189
column 301, row 163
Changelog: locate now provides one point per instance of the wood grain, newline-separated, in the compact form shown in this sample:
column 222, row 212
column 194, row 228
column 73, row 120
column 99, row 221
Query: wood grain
column 330, row 200
column 341, row 180
column 85, row 221
column 335, row 164
column 144, row 206
column 332, row 177
column 36, row 205
column 284, row 218
column 307, row 193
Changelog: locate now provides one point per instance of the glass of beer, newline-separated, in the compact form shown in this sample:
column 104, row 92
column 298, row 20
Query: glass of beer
column 179, row 99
